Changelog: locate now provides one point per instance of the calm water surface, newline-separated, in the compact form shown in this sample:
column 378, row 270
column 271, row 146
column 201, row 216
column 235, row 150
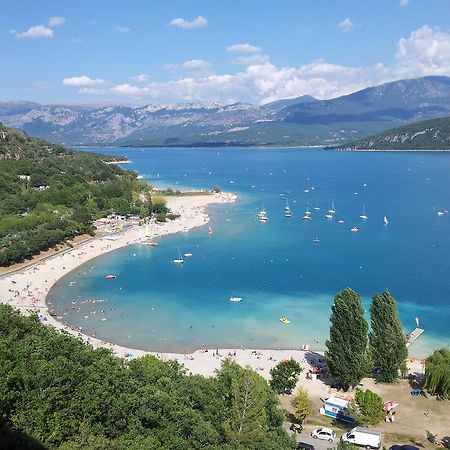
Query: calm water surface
column 276, row 267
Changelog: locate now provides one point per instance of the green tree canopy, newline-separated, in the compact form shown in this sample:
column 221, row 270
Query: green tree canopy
column 367, row 408
column 285, row 376
column 302, row 405
column 65, row 395
column 437, row 373
column 387, row 341
column 346, row 352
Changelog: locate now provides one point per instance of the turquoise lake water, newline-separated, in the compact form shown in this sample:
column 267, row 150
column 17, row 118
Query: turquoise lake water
column 276, row 267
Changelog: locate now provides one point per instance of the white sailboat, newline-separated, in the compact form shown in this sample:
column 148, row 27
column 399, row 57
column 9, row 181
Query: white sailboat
column 178, row 260
column 287, row 210
column 332, row 210
column 307, row 215
column 385, row 220
column 363, row 214
column 262, row 215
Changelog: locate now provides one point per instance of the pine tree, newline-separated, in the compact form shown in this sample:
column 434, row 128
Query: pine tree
column 346, row 353
column 302, row 405
column 387, row 341
column 248, row 421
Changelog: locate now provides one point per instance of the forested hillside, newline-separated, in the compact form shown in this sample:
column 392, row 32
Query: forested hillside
column 50, row 194
column 58, row 393
column 431, row 134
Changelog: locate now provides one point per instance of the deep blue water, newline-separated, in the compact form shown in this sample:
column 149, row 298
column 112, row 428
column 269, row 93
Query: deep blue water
column 276, row 267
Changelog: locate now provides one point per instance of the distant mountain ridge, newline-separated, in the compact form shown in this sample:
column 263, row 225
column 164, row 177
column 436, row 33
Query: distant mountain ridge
column 433, row 134
column 299, row 121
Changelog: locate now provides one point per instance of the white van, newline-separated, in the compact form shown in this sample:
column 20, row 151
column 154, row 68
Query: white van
column 363, row 437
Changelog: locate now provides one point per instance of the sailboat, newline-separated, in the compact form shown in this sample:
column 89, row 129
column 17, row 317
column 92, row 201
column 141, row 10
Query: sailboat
column 287, row 210
column 210, row 230
column 385, row 220
column 178, row 260
column 262, row 215
column 363, row 215
column 307, row 215
column 317, row 206
column 332, row 210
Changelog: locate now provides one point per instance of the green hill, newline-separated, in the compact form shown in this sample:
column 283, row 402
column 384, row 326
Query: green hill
column 433, row 134
column 50, row 194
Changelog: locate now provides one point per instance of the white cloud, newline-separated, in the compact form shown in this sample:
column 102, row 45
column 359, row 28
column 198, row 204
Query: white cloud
column 243, row 48
column 346, row 25
column 141, row 78
column 82, row 80
column 426, row 51
column 120, row 29
column 126, row 89
column 404, row 2
column 36, row 32
column 248, row 54
column 199, row 22
column 56, row 21
column 192, row 67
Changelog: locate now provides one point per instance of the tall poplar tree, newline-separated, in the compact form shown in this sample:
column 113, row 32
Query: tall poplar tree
column 387, row 341
column 347, row 355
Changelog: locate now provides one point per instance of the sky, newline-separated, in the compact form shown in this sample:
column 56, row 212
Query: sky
column 257, row 51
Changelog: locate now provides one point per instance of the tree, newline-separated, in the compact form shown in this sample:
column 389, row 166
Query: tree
column 247, row 423
column 346, row 352
column 437, row 373
column 387, row 341
column 367, row 408
column 285, row 376
column 302, row 405
column 215, row 189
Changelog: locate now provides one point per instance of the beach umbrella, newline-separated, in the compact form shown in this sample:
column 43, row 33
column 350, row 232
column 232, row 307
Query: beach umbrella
column 389, row 405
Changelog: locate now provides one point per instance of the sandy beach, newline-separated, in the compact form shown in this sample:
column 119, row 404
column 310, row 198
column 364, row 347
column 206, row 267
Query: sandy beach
column 27, row 290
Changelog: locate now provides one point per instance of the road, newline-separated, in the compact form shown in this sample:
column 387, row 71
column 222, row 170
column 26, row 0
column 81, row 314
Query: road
column 304, row 436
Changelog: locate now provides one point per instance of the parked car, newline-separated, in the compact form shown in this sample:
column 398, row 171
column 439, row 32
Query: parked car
column 304, row 446
column 403, row 447
column 326, row 434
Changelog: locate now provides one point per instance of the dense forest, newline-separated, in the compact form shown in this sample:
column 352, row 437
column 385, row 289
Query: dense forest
column 50, row 194
column 58, row 393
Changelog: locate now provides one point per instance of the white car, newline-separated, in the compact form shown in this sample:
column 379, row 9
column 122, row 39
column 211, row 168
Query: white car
column 326, row 434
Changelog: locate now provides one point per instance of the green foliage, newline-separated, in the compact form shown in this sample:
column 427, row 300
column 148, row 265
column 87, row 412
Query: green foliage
column 65, row 395
column 343, row 445
column 80, row 187
column 302, row 405
column 216, row 189
column 346, row 352
column 387, row 341
column 367, row 408
column 284, row 376
column 437, row 373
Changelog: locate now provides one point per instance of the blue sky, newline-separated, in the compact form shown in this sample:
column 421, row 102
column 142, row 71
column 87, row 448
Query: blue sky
column 150, row 51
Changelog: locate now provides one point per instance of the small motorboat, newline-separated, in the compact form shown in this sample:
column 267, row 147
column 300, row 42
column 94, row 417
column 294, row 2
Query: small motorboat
column 316, row 239
column 235, row 299
column 341, row 221
column 329, row 216
column 187, row 254
column 110, row 277
column 354, row 229
column 307, row 217
column 285, row 320
column 153, row 244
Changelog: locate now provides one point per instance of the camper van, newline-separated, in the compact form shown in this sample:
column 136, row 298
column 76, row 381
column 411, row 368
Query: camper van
column 363, row 437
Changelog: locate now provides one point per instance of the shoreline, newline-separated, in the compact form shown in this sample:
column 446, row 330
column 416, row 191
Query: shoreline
column 27, row 290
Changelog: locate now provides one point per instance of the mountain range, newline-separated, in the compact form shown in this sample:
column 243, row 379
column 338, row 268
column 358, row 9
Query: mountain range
column 298, row 121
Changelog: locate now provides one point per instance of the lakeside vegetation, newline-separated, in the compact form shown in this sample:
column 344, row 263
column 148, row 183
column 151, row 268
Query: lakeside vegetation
column 51, row 194
column 57, row 392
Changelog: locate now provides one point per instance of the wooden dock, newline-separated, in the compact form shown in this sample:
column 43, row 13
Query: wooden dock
column 413, row 336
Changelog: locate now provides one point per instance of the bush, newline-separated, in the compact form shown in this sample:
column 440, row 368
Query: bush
column 285, row 376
